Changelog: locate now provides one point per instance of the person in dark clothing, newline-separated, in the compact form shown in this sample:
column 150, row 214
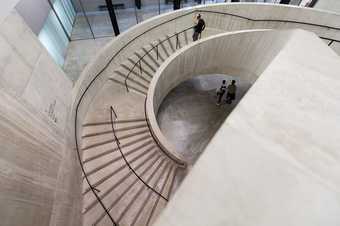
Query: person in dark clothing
column 198, row 28
column 231, row 92
column 221, row 92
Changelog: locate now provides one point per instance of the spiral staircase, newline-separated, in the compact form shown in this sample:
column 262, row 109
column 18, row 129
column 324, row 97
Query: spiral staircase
column 129, row 175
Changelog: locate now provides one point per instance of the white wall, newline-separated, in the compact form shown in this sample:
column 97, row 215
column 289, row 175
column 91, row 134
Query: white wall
column 330, row 5
column 6, row 7
column 34, row 13
column 40, row 176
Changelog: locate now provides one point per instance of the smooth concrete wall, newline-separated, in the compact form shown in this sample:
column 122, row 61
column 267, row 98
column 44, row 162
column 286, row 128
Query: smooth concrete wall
column 276, row 158
column 330, row 5
column 40, row 177
column 6, row 8
column 241, row 54
column 34, row 13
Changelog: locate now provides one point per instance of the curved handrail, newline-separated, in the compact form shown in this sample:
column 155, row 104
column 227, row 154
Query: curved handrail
column 126, row 161
column 268, row 20
column 79, row 101
column 312, row 3
column 150, row 50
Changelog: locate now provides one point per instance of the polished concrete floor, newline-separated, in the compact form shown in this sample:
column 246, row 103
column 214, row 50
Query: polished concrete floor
column 189, row 116
column 80, row 53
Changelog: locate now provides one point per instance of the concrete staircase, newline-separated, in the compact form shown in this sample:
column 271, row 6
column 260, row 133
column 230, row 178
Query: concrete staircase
column 129, row 172
column 130, row 176
column 137, row 71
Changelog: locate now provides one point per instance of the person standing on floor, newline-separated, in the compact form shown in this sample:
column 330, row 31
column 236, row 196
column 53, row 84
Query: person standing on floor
column 198, row 28
column 221, row 92
column 231, row 92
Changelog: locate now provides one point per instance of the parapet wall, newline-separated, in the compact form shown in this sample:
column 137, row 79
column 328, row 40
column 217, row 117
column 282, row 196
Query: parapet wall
column 244, row 55
column 275, row 160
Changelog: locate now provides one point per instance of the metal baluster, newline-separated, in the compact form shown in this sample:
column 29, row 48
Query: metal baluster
column 157, row 51
column 140, row 68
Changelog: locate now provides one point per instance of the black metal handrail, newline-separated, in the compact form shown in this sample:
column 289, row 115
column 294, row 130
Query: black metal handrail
column 268, row 20
column 154, row 47
column 96, row 76
column 112, row 111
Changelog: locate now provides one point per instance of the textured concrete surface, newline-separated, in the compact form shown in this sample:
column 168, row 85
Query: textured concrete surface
column 40, row 175
column 189, row 117
column 330, row 5
column 275, row 160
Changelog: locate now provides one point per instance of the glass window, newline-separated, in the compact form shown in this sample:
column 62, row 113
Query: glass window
column 54, row 38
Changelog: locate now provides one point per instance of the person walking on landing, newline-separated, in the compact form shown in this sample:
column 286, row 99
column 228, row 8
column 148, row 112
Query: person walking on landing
column 221, row 92
column 198, row 28
column 231, row 92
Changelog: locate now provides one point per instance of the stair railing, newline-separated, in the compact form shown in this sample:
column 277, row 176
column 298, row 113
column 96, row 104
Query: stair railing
column 113, row 113
column 154, row 48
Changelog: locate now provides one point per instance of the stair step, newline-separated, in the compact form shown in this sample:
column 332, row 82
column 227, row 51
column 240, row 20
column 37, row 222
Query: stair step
column 148, row 54
column 151, row 196
column 129, row 86
column 106, row 190
column 157, row 52
column 107, row 141
column 100, row 164
column 169, row 40
column 118, row 121
column 160, row 204
column 128, row 191
column 116, row 130
column 123, row 212
column 143, row 59
column 136, row 141
column 115, row 162
column 161, row 44
column 115, row 189
column 108, row 127
column 131, row 79
column 138, row 74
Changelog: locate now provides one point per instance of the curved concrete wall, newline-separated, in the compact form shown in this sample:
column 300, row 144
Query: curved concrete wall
column 241, row 54
column 276, row 158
